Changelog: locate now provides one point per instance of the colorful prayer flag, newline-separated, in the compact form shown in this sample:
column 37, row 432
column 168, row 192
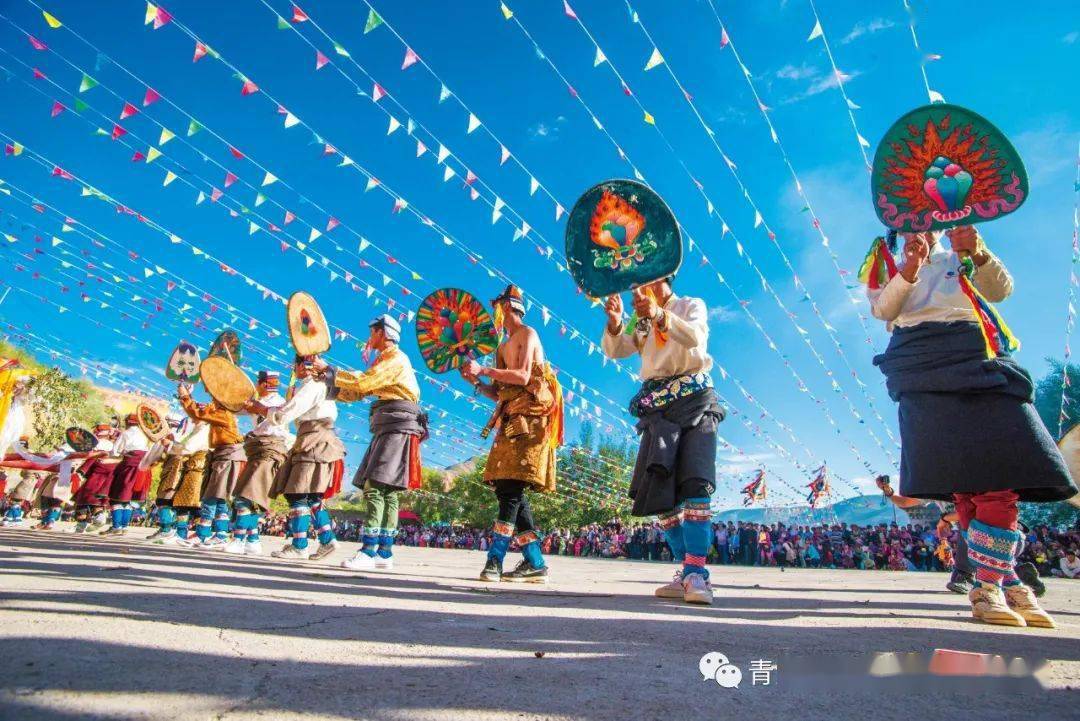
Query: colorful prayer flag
column 817, row 32
column 128, row 111
column 152, row 96
column 88, row 83
column 373, row 21
column 474, row 123
column 200, row 51
column 410, row 58
column 298, row 15
column 51, row 20
column 507, row 12
column 320, row 60
column 655, row 59
column 569, row 10
column 38, row 45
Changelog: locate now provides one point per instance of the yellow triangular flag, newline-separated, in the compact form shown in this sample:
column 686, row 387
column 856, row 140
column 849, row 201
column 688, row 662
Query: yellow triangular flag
column 170, row 176
column 152, row 154
column 650, row 119
column 416, row 276
column 151, row 13
column 16, row 149
column 507, row 12
column 166, row 136
column 51, row 20
column 269, row 178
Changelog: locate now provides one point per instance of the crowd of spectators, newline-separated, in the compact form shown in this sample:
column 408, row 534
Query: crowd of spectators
column 908, row 547
column 897, row 547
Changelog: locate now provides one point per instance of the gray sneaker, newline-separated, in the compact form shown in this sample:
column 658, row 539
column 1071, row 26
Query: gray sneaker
column 324, row 550
column 292, row 553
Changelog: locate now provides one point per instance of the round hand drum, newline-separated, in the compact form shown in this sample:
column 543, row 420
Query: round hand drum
column 227, row 345
column 80, row 439
column 452, row 326
column 308, row 330
column 229, row 386
column 151, row 423
column 621, row 235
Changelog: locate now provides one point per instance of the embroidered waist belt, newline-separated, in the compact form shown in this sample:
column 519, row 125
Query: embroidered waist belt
column 658, row 392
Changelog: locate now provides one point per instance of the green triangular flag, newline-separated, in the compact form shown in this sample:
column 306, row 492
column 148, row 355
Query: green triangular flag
column 87, row 83
column 340, row 50
column 373, row 21
column 101, row 131
column 193, row 127
column 282, row 23
column 80, row 105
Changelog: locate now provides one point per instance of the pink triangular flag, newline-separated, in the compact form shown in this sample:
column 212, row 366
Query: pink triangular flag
column 249, row 88
column 117, row 131
column 137, row 157
column 215, row 194
column 470, row 177
column 724, row 40
column 289, row 217
column 332, row 223
column 320, row 60
column 200, row 52
column 569, row 10
column 38, row 75
column 128, row 111
column 152, row 96
column 420, row 148
column 38, row 45
column 377, row 93
column 162, row 17
column 626, row 90
column 298, row 15
column 410, row 58
column 230, row 178
column 57, row 108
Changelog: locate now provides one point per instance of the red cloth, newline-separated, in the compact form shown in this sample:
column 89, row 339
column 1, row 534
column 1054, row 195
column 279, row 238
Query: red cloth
column 335, row 482
column 416, row 469
column 994, row 508
column 125, row 476
column 98, row 477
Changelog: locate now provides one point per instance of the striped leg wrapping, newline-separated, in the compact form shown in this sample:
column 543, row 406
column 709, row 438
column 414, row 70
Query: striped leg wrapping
column 991, row 550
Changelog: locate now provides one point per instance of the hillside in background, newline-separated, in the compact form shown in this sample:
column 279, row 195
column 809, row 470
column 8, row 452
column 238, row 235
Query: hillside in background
column 860, row 510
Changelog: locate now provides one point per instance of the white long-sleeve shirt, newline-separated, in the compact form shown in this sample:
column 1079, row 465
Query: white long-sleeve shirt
column 309, row 403
column 132, row 439
column 936, row 293
column 1069, row 570
column 686, row 350
column 263, row 426
column 197, row 440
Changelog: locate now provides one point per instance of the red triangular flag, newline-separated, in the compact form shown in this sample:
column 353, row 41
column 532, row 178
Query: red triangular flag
column 117, row 131
column 57, row 108
column 298, row 15
column 200, row 51
column 38, row 75
column 626, row 90
column 38, row 45
column 236, row 153
column 320, row 60
column 230, row 178
column 61, row 173
column 137, row 157
column 332, row 223
column 215, row 194
column 249, row 88
column 128, row 111
column 152, row 96
column 284, row 246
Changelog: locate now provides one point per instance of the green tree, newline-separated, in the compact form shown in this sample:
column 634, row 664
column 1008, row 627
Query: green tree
column 59, row 401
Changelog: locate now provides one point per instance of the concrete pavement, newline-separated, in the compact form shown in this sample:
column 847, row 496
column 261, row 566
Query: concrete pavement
column 120, row 629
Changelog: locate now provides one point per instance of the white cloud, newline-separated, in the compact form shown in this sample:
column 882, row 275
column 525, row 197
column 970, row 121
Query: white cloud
column 544, row 130
column 738, row 463
column 867, row 28
column 821, row 84
column 721, row 314
column 804, row 71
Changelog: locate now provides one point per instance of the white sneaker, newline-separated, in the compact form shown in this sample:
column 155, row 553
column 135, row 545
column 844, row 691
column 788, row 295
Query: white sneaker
column 360, row 562
column 384, row 564
column 173, row 540
column 292, row 553
column 214, row 543
column 696, row 589
column 673, row 589
column 235, row 547
column 324, row 550
column 253, row 548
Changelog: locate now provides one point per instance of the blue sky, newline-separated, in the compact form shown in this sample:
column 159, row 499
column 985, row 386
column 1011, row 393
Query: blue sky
column 491, row 67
